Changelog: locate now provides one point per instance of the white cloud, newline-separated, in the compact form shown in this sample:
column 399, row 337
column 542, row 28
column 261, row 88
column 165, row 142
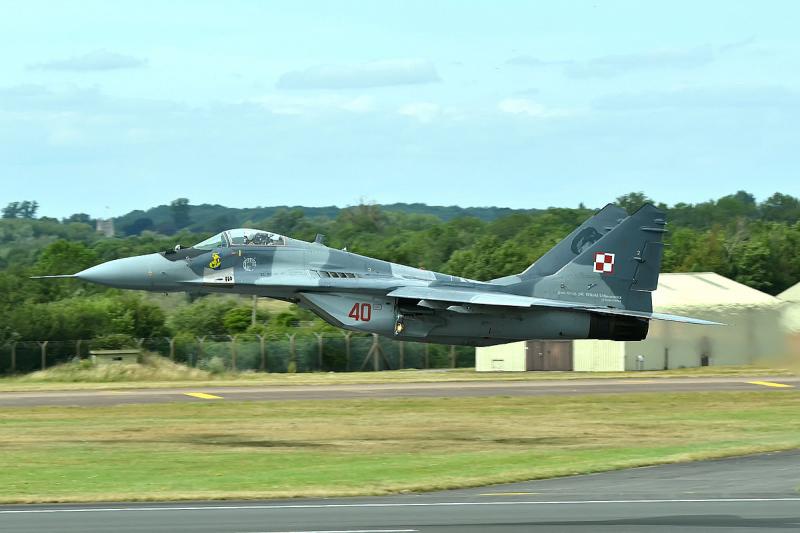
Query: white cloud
column 614, row 65
column 374, row 74
column 98, row 60
column 618, row 64
column 524, row 106
column 737, row 97
column 422, row 111
column 360, row 104
column 281, row 104
column 65, row 136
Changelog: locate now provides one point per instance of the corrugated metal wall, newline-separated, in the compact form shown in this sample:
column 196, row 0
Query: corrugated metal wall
column 750, row 334
column 501, row 358
column 598, row 356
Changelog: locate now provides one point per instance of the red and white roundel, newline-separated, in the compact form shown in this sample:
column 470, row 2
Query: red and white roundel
column 604, row 263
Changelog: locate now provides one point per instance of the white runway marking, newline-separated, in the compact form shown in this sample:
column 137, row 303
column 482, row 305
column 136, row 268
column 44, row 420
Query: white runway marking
column 266, row 507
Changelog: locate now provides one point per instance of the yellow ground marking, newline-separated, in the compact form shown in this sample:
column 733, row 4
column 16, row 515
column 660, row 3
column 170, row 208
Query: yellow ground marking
column 770, row 384
column 509, row 493
column 203, row 395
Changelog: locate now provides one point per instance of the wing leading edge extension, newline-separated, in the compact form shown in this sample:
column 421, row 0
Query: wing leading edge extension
column 499, row 299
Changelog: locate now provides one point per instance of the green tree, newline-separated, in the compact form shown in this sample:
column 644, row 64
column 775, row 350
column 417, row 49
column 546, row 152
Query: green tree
column 80, row 218
column 237, row 319
column 139, row 225
column 632, row 201
column 28, row 209
column 752, row 264
column 204, row 316
column 781, row 207
column 179, row 209
column 285, row 221
column 65, row 257
column 11, row 210
column 741, row 204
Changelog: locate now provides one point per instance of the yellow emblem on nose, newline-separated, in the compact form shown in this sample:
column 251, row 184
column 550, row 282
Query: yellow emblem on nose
column 215, row 261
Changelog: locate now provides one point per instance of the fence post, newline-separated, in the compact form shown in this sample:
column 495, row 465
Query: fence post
column 427, row 355
column 13, row 357
column 200, row 350
column 402, row 354
column 291, row 367
column 375, row 353
column 319, row 350
column 376, row 363
column 171, row 341
column 452, row 356
column 262, row 350
column 347, row 335
column 43, row 346
column 139, row 344
column 233, row 352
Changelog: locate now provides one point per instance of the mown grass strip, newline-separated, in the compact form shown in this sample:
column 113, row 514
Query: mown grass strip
column 209, row 450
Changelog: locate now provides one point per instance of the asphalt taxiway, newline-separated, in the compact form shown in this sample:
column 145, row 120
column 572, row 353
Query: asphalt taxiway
column 753, row 493
column 397, row 390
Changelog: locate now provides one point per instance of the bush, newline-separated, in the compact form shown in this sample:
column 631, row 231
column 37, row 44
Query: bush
column 152, row 368
column 114, row 341
column 215, row 365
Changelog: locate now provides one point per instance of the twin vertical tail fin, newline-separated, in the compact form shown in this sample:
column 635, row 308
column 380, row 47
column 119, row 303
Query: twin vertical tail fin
column 612, row 278
column 620, row 269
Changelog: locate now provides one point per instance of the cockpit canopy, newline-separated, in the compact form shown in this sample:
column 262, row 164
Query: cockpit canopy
column 241, row 237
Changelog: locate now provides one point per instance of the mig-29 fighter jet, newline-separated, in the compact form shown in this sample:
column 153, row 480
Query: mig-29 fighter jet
column 595, row 284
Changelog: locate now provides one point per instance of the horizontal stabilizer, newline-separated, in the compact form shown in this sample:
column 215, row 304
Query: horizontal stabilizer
column 500, row 299
column 656, row 316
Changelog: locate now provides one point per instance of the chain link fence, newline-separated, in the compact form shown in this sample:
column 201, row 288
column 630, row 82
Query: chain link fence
column 291, row 352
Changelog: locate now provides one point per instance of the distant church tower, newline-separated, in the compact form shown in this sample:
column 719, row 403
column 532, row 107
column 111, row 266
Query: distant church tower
column 105, row 226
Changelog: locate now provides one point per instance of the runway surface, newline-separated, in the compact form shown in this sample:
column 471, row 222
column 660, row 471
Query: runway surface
column 399, row 390
column 754, row 493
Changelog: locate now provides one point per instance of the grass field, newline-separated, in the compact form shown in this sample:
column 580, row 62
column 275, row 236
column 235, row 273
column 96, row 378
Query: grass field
column 219, row 449
column 163, row 373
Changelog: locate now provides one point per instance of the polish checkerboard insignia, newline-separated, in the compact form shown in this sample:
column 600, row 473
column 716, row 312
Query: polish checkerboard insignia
column 604, row 263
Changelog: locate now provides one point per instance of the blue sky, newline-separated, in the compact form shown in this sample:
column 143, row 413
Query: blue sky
column 111, row 106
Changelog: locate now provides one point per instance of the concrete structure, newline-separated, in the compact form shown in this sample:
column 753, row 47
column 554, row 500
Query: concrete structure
column 754, row 331
column 103, row 357
column 791, row 318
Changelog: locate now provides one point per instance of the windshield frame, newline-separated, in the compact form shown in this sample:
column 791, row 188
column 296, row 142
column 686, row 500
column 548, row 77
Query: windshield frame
column 219, row 240
column 267, row 239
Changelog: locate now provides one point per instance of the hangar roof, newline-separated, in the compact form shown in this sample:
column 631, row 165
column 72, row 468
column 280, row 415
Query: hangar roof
column 792, row 294
column 707, row 289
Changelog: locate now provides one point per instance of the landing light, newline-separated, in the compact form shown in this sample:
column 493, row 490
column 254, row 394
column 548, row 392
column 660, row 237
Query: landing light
column 399, row 326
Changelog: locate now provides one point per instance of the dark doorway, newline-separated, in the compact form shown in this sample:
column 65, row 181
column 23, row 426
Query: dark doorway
column 548, row 355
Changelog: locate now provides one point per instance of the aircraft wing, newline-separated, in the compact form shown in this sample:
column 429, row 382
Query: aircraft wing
column 500, row 299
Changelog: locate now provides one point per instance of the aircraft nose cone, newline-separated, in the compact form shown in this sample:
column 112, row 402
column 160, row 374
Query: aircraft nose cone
column 126, row 273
